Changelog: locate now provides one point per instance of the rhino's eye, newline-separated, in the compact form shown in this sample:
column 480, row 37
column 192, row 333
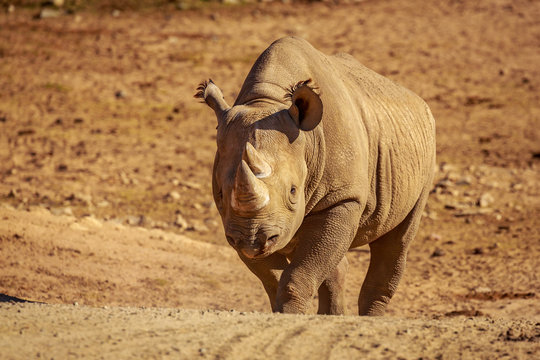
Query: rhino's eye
column 293, row 190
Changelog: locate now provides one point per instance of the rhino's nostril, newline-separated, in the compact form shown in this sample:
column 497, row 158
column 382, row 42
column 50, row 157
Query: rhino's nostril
column 231, row 240
column 272, row 239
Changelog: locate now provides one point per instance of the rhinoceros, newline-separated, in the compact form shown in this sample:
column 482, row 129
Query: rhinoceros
column 319, row 155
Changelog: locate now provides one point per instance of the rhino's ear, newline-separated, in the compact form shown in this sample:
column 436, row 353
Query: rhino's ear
column 212, row 96
column 306, row 108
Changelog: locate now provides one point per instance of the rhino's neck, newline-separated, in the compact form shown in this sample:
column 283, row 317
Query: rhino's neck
column 315, row 156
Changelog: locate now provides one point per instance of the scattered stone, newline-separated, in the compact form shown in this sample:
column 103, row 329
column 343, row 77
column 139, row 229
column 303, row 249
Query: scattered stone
column 120, row 94
column 198, row 226
column 517, row 187
column 485, row 200
column 13, row 193
column 135, row 220
column 47, row 13
column 103, row 204
column 478, row 251
column 191, row 185
column 172, row 196
column 115, row 13
column 473, row 212
column 92, row 221
column 10, row 9
column 125, row 179
column 25, row 132
column 437, row 253
column 180, row 222
column 464, row 180
column 434, row 237
column 66, row 211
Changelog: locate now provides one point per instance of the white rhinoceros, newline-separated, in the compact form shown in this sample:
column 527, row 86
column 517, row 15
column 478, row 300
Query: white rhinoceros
column 319, row 155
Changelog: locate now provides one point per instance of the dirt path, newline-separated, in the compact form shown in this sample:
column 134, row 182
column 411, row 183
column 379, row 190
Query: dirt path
column 63, row 331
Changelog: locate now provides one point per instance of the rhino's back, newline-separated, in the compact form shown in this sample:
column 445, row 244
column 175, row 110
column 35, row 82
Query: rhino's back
column 401, row 134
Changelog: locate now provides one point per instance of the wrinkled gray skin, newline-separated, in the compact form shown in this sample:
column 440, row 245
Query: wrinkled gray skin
column 306, row 170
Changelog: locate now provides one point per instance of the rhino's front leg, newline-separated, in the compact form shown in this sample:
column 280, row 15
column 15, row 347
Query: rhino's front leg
column 331, row 291
column 268, row 270
column 324, row 238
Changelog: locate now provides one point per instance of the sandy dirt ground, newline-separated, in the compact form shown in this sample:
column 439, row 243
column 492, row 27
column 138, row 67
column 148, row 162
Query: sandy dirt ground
column 107, row 224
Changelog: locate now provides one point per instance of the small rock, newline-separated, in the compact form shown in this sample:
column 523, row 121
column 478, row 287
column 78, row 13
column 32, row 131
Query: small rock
column 478, row 251
column 173, row 196
column 485, row 200
column 47, row 13
column 437, row 253
column 92, row 221
column 10, row 9
column 115, row 13
column 198, row 226
column 517, row 187
column 464, row 180
column 103, row 204
column 135, row 220
column 120, row 94
column 434, row 237
column 181, row 222
column 66, row 211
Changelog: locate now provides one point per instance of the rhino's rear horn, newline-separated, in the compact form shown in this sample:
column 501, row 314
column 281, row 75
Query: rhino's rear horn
column 212, row 96
column 259, row 167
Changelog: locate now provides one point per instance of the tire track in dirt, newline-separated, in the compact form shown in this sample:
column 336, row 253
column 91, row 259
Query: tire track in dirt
column 64, row 331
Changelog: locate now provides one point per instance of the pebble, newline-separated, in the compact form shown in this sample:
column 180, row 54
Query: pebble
column 172, row 196
column 135, row 220
column 181, row 222
column 47, row 13
column 92, row 221
column 485, row 200
column 437, row 253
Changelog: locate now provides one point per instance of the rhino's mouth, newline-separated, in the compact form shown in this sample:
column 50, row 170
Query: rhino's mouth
column 263, row 251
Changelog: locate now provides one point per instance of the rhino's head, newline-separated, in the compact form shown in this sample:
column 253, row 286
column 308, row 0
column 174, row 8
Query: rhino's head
column 260, row 169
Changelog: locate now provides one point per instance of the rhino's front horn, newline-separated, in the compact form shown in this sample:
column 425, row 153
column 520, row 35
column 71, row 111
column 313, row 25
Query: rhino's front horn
column 256, row 163
column 249, row 193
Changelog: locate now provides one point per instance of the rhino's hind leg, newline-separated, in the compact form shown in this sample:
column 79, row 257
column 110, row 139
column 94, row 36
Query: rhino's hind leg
column 387, row 263
column 331, row 291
